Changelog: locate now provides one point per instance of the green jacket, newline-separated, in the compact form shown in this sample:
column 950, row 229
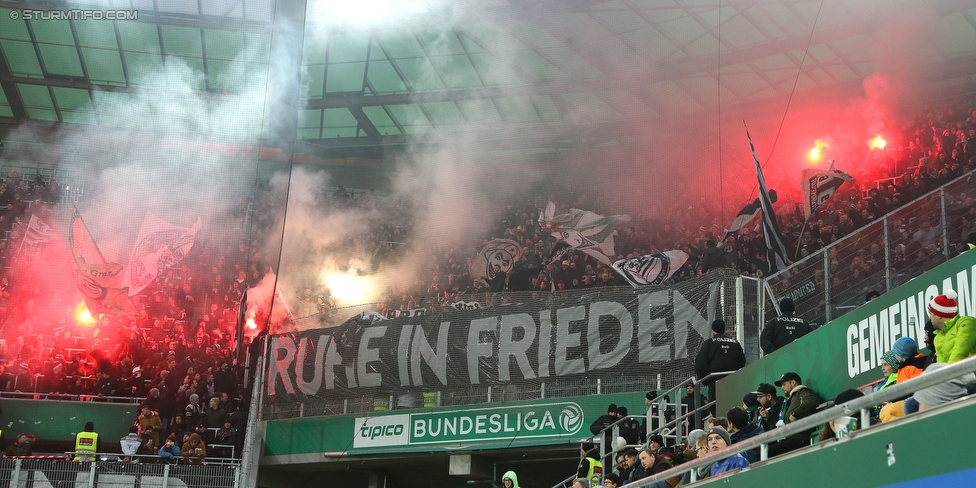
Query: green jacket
column 512, row 476
column 956, row 340
column 802, row 402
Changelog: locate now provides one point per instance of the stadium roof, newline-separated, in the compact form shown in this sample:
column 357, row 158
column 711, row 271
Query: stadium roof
column 523, row 68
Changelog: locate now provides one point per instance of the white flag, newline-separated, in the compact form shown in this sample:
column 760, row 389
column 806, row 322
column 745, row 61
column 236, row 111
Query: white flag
column 160, row 245
column 650, row 269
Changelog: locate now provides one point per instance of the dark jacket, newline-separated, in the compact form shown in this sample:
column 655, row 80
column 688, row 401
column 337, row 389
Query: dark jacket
column 782, row 331
column 720, row 353
column 772, row 416
column 802, row 402
column 748, row 432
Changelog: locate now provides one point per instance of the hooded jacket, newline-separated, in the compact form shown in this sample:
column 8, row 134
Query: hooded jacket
column 956, row 340
column 512, row 476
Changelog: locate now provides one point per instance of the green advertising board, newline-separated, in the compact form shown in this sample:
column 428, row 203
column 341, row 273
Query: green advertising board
column 54, row 420
column 846, row 352
column 486, row 426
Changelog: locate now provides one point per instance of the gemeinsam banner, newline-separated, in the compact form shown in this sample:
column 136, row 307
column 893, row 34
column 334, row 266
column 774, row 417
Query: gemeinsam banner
column 598, row 330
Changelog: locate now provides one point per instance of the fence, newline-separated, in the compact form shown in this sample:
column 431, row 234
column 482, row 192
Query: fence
column 32, row 472
column 880, row 256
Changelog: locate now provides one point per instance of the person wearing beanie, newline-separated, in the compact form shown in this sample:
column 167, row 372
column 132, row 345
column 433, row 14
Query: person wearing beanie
column 603, row 422
column 170, row 451
column 611, row 480
column 195, row 450
column 510, row 480
column 784, row 329
column 718, row 439
column 955, row 335
column 718, row 354
column 829, row 429
column 908, row 364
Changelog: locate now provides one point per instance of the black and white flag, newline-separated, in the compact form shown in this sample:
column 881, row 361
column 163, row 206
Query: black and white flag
column 775, row 249
column 818, row 185
column 650, row 269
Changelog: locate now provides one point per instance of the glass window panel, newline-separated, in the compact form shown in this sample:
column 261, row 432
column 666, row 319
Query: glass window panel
column 72, row 99
column 384, row 78
column 381, row 120
column 315, row 50
column 458, row 71
column 260, row 45
column 179, row 7
column 194, row 64
column 75, row 117
column 338, row 122
column 309, row 133
column 96, row 33
column 181, row 41
column 5, row 110
column 35, row 96
column 411, row 118
column 104, row 66
column 61, row 60
column 312, row 81
column 347, row 47
column 420, row 74
column 345, row 77
column 141, row 66
column 442, row 43
column 21, row 59
column 223, row 44
column 42, row 114
column 12, row 28
column 445, row 114
column 55, row 31
column 139, row 37
column 402, row 45
column 222, row 8
column 487, row 114
column 309, row 118
column 225, row 75
column 257, row 9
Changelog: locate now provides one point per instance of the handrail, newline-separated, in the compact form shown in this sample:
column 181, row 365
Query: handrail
column 116, row 457
column 863, row 404
column 660, row 400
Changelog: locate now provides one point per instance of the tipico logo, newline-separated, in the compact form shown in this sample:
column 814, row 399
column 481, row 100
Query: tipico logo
column 571, row 418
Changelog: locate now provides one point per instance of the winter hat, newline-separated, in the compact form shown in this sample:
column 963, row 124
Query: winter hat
column 750, row 401
column 718, row 429
column 651, row 395
column 718, row 325
column 611, row 477
column 694, row 435
column 905, row 347
column 612, row 408
column 622, row 411
column 889, row 357
column 945, row 305
column 847, row 395
column 656, row 438
column 786, row 305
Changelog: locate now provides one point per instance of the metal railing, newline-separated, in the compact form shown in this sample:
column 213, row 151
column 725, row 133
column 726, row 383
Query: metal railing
column 879, row 257
column 863, row 405
column 30, row 471
column 674, row 430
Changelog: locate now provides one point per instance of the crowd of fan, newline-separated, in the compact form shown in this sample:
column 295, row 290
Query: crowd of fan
column 939, row 148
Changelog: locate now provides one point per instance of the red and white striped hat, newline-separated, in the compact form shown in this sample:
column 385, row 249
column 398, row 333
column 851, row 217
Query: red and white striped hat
column 945, row 305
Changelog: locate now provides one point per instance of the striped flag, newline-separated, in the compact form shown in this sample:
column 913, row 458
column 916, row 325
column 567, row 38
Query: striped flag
column 775, row 249
column 818, row 186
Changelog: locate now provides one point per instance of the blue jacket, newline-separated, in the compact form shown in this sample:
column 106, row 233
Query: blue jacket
column 171, row 453
column 736, row 461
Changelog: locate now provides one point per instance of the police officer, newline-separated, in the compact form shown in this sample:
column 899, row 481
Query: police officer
column 718, row 354
column 783, row 330
column 86, row 443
